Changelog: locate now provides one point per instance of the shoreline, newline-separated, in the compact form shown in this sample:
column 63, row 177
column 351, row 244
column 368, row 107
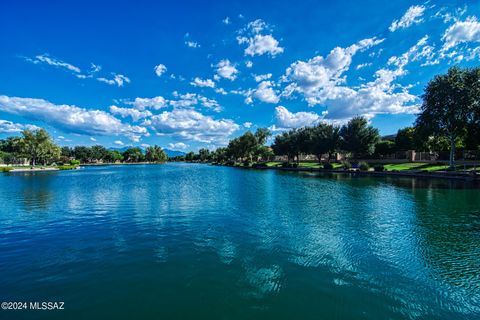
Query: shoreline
column 435, row 175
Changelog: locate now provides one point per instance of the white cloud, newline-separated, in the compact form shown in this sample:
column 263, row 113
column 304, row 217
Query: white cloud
column 258, row 44
column 363, row 65
column 93, row 139
column 322, row 82
column 192, row 44
column 318, row 78
column 262, row 77
column 412, row 16
column 118, row 79
column 188, row 124
column 261, row 44
column 11, row 127
column 45, row 58
column 247, row 124
column 155, row 103
column 135, row 114
column 225, row 69
column 265, row 92
column 287, row 119
column 226, row 21
column 197, row 82
column 119, row 143
column 461, row 32
column 248, row 64
column 178, row 146
column 70, row 118
column 193, row 99
column 160, row 69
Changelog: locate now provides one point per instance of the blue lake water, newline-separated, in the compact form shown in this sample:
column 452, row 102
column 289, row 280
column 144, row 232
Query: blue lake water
column 191, row 241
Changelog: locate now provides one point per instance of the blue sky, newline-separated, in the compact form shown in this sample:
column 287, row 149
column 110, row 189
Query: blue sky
column 194, row 74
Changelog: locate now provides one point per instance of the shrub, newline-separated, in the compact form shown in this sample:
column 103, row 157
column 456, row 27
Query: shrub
column 247, row 163
column 67, row 167
column 327, row 166
column 289, row 165
column 259, row 165
column 5, row 169
column 230, row 163
column 346, row 165
column 363, row 166
column 74, row 162
column 379, row 168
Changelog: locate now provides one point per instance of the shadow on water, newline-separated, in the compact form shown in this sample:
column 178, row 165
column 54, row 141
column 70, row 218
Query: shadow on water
column 402, row 182
column 36, row 193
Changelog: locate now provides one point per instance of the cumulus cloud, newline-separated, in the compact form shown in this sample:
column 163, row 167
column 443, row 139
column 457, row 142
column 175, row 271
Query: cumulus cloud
column 412, row 16
column 119, row 143
column 160, row 69
column 318, row 78
column 155, row 103
column 188, row 124
column 135, row 114
column 225, row 69
column 118, row 80
column 322, row 82
column 197, row 82
column 193, row 99
column 70, row 118
column 262, row 77
column 266, row 93
column 258, row 44
column 178, row 146
column 11, row 127
column 287, row 119
column 247, row 124
column 461, row 32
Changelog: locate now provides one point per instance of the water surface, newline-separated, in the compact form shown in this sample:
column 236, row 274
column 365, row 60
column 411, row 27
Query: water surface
column 187, row 241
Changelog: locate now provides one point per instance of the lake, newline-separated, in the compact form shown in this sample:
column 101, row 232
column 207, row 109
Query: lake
column 192, row 241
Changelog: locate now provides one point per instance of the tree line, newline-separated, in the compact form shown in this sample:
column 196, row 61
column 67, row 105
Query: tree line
column 39, row 148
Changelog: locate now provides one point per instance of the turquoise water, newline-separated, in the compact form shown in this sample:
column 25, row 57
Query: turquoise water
column 187, row 241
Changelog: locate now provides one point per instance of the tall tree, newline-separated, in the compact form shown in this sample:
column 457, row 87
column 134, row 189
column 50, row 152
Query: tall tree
column 324, row 139
column 155, row 154
column 37, row 146
column 447, row 108
column 358, row 137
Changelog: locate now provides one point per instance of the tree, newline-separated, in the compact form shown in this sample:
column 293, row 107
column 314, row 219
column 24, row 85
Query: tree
column 113, row 156
column 204, row 154
column 82, row 153
column 324, row 138
column 38, row 146
column 98, row 152
column 155, row 154
column 447, row 108
column 190, row 156
column 133, row 154
column 384, row 148
column 358, row 137
column 405, row 139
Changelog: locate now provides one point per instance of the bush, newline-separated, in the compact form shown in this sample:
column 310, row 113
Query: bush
column 230, row 163
column 259, row 165
column 247, row 163
column 363, row 166
column 74, row 162
column 67, row 167
column 327, row 166
column 346, row 165
column 379, row 168
column 5, row 169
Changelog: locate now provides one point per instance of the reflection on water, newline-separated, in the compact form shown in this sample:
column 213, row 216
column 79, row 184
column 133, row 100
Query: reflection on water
column 196, row 241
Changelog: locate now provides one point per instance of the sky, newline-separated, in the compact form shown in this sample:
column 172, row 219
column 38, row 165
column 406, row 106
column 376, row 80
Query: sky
column 191, row 74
